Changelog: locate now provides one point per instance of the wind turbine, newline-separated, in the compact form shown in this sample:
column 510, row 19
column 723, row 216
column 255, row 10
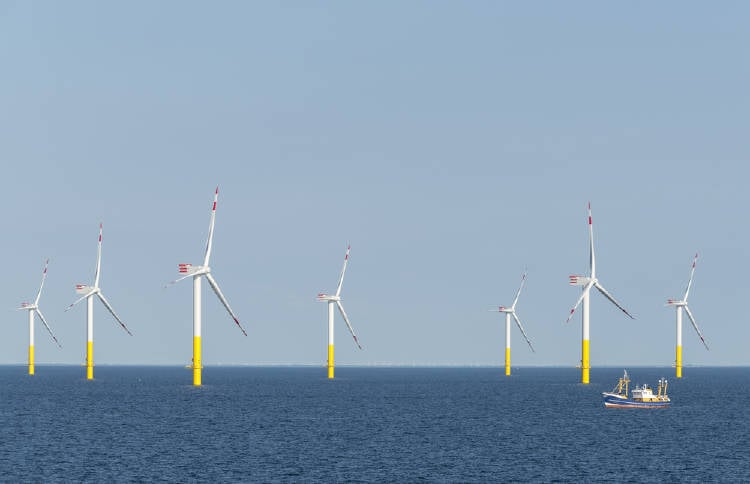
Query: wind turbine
column 88, row 294
column 336, row 299
column 34, row 308
column 197, row 272
column 588, row 283
column 679, row 305
column 511, row 311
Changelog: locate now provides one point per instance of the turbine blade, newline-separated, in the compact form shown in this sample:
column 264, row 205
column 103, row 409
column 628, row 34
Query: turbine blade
column 44, row 276
column 515, row 300
column 343, row 270
column 211, row 228
column 224, row 301
column 79, row 300
column 586, row 289
column 518, row 322
column 98, row 257
column 44, row 321
column 695, row 325
column 109, row 308
column 612, row 300
column 690, row 281
column 177, row 280
column 348, row 324
column 592, row 258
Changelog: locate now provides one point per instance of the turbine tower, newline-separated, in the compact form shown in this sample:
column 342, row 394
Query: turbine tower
column 588, row 283
column 34, row 308
column 679, row 305
column 511, row 311
column 197, row 272
column 336, row 299
column 88, row 294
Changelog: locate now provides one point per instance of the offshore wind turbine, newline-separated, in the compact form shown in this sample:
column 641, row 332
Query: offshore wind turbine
column 197, row 272
column 335, row 299
column 511, row 311
column 679, row 305
column 588, row 282
column 33, row 308
column 88, row 293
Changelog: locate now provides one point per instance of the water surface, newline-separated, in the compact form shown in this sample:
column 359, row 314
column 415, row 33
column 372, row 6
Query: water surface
column 249, row 424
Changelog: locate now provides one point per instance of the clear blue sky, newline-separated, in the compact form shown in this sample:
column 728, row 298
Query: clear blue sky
column 453, row 144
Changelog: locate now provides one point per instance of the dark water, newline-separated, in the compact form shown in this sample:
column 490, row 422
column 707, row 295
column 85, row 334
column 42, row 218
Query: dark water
column 370, row 424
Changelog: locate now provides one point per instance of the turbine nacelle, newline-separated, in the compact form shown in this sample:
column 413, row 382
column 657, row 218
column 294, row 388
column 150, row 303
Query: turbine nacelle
column 676, row 302
column 191, row 270
column 84, row 289
column 575, row 280
column 26, row 305
column 328, row 297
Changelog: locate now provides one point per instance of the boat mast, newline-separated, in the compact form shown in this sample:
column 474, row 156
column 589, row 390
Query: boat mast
column 622, row 382
column 662, row 391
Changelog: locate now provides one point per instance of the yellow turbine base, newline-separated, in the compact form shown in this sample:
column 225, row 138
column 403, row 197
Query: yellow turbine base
column 197, row 361
column 89, row 360
column 330, row 361
column 31, row 359
column 678, row 362
column 507, row 361
column 585, row 361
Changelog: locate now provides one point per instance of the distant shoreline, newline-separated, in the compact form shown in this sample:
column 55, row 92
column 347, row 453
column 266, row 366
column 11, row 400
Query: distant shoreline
column 395, row 366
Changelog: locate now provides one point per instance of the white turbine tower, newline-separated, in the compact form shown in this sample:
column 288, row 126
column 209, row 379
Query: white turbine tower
column 88, row 294
column 197, row 272
column 336, row 299
column 511, row 311
column 679, row 305
column 34, row 308
column 588, row 283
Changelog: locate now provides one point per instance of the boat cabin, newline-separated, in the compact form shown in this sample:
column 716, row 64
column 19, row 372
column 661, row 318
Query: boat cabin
column 646, row 394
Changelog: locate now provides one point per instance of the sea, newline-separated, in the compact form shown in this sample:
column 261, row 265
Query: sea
column 374, row 424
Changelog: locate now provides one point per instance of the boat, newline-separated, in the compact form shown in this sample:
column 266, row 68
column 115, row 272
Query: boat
column 641, row 396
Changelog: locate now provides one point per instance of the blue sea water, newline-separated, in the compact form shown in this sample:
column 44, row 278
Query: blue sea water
column 246, row 424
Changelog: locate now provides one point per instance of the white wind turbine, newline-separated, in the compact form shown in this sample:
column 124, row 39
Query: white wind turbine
column 336, row 299
column 34, row 308
column 588, row 283
column 197, row 272
column 88, row 294
column 511, row 311
column 679, row 305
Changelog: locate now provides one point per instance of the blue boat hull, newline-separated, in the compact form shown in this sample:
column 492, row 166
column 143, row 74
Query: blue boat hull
column 613, row 401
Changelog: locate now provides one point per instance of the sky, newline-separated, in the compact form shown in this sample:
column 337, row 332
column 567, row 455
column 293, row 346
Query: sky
column 454, row 145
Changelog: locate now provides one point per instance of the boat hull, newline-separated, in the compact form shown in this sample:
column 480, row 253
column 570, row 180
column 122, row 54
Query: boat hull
column 617, row 401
